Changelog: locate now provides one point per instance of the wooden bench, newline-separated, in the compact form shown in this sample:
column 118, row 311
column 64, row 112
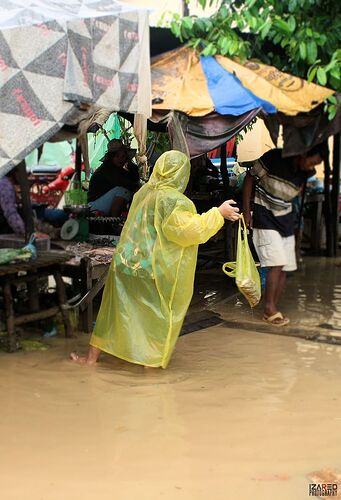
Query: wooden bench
column 45, row 265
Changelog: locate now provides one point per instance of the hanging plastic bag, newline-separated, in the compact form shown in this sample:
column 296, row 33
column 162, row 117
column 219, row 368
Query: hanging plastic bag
column 244, row 270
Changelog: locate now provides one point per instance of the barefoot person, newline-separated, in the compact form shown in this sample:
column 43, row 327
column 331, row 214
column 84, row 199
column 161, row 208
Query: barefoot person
column 150, row 281
column 277, row 181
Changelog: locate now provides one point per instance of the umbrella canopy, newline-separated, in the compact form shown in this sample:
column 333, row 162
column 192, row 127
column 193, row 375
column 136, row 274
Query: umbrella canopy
column 196, row 85
column 56, row 55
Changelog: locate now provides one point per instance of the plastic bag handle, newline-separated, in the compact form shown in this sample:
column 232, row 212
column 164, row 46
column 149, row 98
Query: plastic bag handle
column 241, row 226
column 232, row 266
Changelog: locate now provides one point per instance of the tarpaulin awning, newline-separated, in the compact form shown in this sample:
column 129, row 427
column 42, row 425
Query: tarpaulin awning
column 300, row 133
column 229, row 96
column 184, row 81
column 206, row 133
column 55, row 55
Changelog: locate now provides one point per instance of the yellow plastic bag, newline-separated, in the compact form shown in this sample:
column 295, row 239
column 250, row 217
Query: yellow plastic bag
column 244, row 270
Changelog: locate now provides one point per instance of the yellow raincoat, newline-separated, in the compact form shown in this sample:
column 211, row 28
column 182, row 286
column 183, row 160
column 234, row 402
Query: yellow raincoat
column 150, row 281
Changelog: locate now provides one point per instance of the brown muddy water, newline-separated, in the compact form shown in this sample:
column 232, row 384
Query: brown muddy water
column 312, row 301
column 237, row 415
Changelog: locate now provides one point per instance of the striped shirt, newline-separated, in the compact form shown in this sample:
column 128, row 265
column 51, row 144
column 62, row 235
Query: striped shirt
column 279, row 180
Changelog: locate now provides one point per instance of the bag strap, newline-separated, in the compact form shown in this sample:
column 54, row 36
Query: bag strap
column 232, row 266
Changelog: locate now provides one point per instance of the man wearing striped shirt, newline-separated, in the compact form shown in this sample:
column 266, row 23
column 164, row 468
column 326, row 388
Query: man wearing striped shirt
column 275, row 181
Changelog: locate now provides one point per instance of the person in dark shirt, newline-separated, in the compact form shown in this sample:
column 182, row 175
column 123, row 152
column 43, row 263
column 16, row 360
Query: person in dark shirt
column 10, row 219
column 114, row 183
column 276, row 182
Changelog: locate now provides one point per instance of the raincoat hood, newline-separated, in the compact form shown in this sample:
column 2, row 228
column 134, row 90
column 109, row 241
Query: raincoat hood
column 171, row 170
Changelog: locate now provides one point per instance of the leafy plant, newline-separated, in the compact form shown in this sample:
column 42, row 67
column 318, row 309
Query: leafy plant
column 126, row 127
column 157, row 142
column 301, row 37
column 243, row 132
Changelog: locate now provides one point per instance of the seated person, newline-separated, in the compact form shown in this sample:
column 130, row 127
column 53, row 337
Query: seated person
column 114, row 183
column 10, row 219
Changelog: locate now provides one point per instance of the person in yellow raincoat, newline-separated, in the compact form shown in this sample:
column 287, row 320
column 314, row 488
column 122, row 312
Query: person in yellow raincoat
column 150, row 280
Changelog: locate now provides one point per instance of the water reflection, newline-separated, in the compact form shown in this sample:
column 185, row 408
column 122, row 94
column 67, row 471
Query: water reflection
column 313, row 294
column 312, row 298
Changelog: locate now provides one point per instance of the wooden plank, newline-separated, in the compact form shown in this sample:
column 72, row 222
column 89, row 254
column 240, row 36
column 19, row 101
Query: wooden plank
column 88, row 299
column 15, row 280
column 62, row 303
column 43, row 260
column 327, row 208
column 98, row 270
column 27, row 318
column 335, row 205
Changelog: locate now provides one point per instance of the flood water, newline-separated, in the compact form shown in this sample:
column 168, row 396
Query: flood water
column 312, row 299
column 237, row 415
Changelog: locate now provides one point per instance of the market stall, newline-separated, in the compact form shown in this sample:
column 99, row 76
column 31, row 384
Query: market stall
column 205, row 101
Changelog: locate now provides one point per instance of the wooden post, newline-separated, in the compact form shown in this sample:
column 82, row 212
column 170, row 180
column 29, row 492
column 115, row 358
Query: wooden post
column 25, row 199
column 335, row 206
column 328, row 208
column 78, row 162
column 86, row 277
column 9, row 311
column 62, row 302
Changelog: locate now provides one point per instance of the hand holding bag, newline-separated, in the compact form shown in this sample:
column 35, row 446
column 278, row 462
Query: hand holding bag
column 244, row 269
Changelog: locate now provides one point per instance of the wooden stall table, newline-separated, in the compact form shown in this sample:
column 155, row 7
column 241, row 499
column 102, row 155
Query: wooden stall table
column 90, row 265
column 46, row 264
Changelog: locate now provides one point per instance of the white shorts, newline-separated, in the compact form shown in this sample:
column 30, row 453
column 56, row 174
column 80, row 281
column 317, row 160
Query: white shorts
column 275, row 250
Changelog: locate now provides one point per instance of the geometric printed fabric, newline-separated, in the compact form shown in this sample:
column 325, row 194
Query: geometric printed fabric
column 53, row 59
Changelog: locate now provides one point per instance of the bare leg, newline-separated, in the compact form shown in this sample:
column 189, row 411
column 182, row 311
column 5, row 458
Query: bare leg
column 90, row 359
column 271, row 290
column 275, row 282
column 281, row 286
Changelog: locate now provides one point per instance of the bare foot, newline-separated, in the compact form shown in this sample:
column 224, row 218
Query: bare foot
column 82, row 360
column 150, row 368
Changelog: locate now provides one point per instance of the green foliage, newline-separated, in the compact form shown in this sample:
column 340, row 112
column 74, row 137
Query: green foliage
column 245, row 130
column 157, row 142
column 301, row 37
column 127, row 134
